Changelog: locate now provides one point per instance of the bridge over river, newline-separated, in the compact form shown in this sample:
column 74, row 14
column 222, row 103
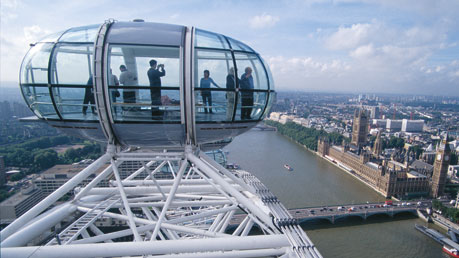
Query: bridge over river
column 334, row 213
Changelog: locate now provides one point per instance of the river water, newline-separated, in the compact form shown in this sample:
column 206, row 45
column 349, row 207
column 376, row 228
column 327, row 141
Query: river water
column 316, row 182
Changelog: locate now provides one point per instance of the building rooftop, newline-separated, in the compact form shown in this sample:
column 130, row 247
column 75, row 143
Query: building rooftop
column 20, row 196
column 414, row 174
column 397, row 163
column 67, row 171
column 372, row 165
column 419, row 164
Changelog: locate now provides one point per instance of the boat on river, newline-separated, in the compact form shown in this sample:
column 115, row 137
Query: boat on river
column 451, row 251
column 288, row 167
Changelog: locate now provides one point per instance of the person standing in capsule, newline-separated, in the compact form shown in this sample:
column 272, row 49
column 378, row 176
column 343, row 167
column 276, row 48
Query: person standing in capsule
column 205, row 84
column 230, row 95
column 246, row 83
column 128, row 78
column 154, row 76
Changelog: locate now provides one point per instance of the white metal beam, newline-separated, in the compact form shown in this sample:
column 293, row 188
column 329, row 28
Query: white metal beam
column 177, row 228
column 52, row 198
column 126, row 203
column 140, row 190
column 30, row 231
column 170, row 198
column 230, row 189
column 149, row 248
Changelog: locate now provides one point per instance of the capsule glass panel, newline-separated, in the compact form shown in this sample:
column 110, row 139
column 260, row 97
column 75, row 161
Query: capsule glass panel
column 80, row 34
column 271, row 99
column 251, row 105
column 237, row 45
column 253, row 86
column 207, row 39
column 270, row 75
column 72, row 81
column 144, row 92
column 34, row 80
column 52, row 37
column 258, row 74
column 214, row 78
column 72, row 64
column 34, row 69
column 39, row 100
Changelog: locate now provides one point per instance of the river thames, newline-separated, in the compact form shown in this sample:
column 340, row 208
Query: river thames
column 315, row 182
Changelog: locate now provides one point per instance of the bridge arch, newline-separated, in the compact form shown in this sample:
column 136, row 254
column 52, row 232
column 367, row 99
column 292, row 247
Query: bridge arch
column 400, row 212
column 387, row 214
column 343, row 217
column 315, row 220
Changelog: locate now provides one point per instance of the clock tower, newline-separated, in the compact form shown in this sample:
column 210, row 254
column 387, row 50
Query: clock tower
column 440, row 168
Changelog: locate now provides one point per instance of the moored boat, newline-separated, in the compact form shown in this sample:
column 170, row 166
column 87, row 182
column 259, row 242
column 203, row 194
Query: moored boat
column 451, row 251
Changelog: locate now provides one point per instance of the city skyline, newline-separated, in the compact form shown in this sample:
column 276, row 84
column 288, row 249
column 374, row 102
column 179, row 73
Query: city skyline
column 327, row 46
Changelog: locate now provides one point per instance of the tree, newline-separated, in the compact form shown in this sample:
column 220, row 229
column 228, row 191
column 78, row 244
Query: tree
column 17, row 176
column 417, row 150
column 394, row 142
column 70, row 155
column 436, row 204
column 305, row 136
column 45, row 159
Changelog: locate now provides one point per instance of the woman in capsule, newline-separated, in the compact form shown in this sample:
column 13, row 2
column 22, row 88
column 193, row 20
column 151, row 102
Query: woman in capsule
column 206, row 82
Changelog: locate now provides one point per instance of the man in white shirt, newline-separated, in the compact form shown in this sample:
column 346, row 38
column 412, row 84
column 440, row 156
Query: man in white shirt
column 128, row 78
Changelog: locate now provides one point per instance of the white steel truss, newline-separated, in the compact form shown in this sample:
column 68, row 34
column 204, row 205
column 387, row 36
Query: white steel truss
column 176, row 204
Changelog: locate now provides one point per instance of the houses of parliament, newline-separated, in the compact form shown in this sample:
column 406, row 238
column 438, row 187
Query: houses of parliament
column 388, row 176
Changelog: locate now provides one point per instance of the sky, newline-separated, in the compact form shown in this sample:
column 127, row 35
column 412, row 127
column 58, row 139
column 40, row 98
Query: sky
column 361, row 46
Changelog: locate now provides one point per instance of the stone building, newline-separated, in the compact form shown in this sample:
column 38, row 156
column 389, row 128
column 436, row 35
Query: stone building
column 390, row 178
column 359, row 128
column 440, row 169
column 377, row 147
column 13, row 207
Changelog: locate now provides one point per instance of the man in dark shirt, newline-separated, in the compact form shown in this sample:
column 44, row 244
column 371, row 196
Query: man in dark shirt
column 154, row 76
column 246, row 83
column 89, row 97
column 230, row 94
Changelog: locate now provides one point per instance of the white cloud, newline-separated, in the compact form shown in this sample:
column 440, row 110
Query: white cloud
column 392, row 55
column 439, row 68
column 350, row 37
column 263, row 21
column 34, row 33
column 380, row 34
column 8, row 9
column 363, row 52
column 297, row 69
column 9, row 3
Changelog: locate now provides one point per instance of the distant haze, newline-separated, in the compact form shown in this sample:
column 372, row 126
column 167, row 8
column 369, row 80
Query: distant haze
column 10, row 91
